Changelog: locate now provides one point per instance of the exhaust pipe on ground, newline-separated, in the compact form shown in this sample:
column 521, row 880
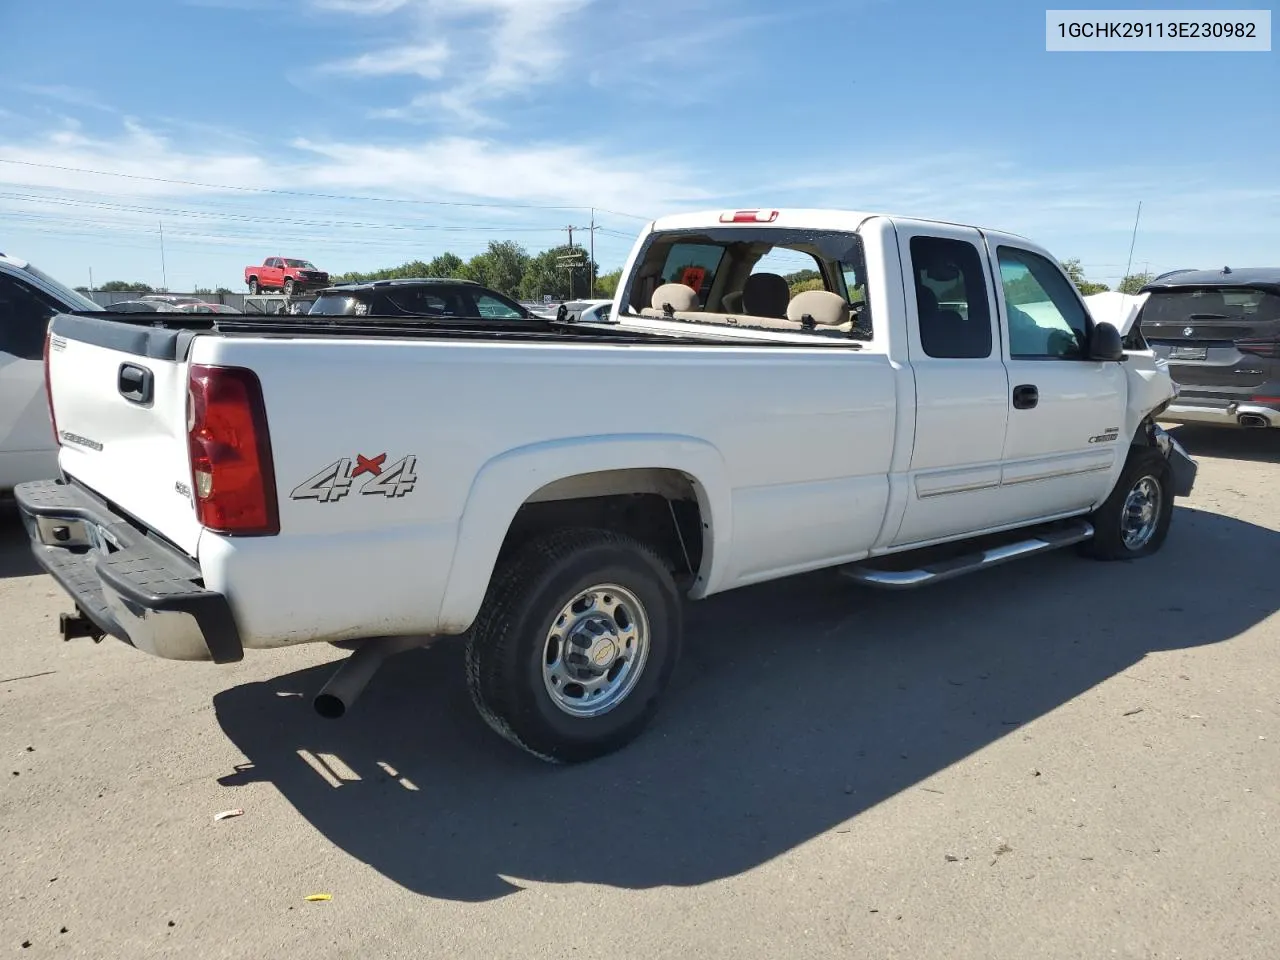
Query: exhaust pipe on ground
column 348, row 682
column 1253, row 421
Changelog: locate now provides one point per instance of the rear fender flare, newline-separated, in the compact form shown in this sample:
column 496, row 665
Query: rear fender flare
column 506, row 481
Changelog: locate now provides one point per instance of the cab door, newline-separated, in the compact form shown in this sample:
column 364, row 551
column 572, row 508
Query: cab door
column 28, row 450
column 962, row 393
column 1066, row 412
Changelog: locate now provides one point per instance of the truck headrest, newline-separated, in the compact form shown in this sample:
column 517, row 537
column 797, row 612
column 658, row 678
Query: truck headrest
column 674, row 297
column 765, row 295
column 824, row 308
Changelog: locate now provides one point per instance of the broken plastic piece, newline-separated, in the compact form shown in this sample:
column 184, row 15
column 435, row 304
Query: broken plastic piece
column 313, row 897
column 226, row 814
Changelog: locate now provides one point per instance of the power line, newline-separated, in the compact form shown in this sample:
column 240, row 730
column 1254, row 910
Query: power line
column 318, row 196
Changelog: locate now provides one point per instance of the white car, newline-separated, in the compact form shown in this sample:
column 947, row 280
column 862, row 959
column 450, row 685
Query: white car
column 553, row 491
column 28, row 300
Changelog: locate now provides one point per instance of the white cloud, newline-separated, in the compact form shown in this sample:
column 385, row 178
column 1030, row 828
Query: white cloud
column 72, row 96
column 498, row 48
column 571, row 174
column 363, row 7
column 422, row 60
column 143, row 163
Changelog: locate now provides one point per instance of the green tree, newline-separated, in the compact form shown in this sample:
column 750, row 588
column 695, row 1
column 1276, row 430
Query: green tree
column 222, row 290
column 82, row 290
column 607, row 283
column 501, row 267
column 116, row 286
column 547, row 276
column 811, row 283
column 1076, row 274
column 1135, row 282
column 446, row 265
column 801, row 276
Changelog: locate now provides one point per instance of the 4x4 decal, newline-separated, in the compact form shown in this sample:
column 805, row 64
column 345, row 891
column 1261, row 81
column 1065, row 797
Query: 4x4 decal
column 335, row 481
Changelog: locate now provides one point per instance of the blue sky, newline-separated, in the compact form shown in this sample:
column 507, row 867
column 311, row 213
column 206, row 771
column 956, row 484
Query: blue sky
column 471, row 120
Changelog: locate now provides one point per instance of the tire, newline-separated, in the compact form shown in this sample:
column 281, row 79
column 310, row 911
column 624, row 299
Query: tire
column 636, row 607
column 253, row 286
column 1111, row 521
column 288, row 287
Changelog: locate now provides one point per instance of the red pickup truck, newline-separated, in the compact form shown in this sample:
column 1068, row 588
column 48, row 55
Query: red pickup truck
column 286, row 274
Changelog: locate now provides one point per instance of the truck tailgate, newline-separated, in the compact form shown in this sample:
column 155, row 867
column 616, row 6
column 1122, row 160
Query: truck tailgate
column 120, row 408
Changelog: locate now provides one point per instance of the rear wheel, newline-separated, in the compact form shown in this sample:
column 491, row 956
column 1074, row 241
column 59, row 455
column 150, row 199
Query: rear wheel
column 1134, row 520
column 288, row 287
column 253, row 286
column 576, row 642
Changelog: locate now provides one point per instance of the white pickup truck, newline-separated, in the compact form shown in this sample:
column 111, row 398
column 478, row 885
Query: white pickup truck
column 553, row 491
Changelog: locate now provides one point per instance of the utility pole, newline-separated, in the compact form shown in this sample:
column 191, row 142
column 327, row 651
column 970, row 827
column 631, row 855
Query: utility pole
column 572, row 259
column 91, row 279
column 164, row 275
column 591, row 260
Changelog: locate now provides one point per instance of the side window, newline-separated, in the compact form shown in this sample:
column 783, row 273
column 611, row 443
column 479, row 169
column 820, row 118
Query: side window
column 420, row 303
column 492, row 308
column 24, row 319
column 694, row 265
column 1047, row 321
column 951, row 295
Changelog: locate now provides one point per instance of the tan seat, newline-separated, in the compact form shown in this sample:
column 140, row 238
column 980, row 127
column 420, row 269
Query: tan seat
column 672, row 298
column 820, row 308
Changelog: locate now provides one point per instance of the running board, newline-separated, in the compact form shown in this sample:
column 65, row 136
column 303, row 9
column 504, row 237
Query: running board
column 958, row 566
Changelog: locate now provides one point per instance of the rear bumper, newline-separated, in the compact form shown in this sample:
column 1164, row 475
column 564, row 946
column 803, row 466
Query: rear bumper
column 1222, row 413
column 132, row 586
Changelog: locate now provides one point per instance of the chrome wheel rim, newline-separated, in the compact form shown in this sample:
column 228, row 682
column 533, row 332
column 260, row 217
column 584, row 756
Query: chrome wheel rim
column 595, row 650
column 1141, row 513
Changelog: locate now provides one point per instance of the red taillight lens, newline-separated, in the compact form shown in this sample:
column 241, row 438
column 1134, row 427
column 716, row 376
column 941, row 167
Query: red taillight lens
column 233, row 478
column 1259, row 348
column 48, row 388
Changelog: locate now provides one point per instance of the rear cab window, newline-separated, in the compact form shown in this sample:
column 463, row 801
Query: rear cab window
column 951, row 298
column 748, row 277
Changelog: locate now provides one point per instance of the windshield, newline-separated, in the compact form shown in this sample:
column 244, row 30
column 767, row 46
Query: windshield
column 74, row 300
column 335, row 305
column 749, row 278
column 304, row 264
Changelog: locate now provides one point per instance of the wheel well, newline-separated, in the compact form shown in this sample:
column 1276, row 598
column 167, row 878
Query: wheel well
column 656, row 506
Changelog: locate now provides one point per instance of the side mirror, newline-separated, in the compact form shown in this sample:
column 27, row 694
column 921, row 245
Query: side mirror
column 1105, row 343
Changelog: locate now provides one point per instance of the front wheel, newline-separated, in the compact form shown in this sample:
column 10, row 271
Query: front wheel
column 575, row 644
column 288, row 287
column 1134, row 520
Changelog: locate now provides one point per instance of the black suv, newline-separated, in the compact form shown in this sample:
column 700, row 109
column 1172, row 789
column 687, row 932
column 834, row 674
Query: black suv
column 1220, row 332
column 418, row 298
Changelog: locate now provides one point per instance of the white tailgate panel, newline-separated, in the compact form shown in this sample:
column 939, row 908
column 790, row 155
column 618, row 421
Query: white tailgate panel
column 133, row 455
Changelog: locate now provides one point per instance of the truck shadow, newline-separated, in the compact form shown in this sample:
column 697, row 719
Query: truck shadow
column 15, row 549
column 1230, row 443
column 799, row 705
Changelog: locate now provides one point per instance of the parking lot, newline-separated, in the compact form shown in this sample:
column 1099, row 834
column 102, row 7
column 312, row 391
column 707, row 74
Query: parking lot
column 1055, row 759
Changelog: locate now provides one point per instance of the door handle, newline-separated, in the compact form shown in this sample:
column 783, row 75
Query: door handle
column 136, row 384
column 1025, row 396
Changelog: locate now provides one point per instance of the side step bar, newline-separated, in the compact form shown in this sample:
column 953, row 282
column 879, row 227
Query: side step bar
column 958, row 566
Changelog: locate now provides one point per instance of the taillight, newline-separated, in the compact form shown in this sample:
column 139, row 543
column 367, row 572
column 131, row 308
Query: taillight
column 48, row 388
column 233, row 478
column 1259, row 348
column 749, row 216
